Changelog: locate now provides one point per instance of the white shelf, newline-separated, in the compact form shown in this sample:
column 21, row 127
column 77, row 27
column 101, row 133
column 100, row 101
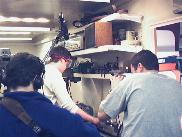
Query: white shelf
column 94, row 76
column 120, row 17
column 107, row 48
column 112, row 17
column 97, row 76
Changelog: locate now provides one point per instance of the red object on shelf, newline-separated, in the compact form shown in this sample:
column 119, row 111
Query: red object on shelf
column 167, row 66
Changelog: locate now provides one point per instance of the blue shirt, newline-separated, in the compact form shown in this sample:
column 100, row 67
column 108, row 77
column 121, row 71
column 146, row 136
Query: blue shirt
column 57, row 120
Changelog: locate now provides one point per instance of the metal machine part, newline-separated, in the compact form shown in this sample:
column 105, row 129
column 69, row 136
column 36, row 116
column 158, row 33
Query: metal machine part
column 110, row 128
column 86, row 108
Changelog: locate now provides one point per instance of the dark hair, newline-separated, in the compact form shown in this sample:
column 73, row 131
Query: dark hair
column 23, row 69
column 147, row 59
column 58, row 52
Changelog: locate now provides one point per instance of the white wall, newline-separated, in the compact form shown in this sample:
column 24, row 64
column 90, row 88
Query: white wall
column 20, row 47
column 153, row 11
column 42, row 49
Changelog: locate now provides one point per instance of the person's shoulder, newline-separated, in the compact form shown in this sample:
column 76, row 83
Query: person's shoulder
column 133, row 76
column 49, row 67
column 142, row 75
column 51, row 70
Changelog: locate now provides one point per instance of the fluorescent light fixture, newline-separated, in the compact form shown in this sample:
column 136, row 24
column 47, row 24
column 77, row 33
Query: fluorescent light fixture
column 14, row 39
column 13, row 33
column 39, row 20
column 108, row 1
column 16, row 19
column 43, row 20
column 35, row 29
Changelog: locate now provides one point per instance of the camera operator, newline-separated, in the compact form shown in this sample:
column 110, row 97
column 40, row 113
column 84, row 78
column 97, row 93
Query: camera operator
column 23, row 78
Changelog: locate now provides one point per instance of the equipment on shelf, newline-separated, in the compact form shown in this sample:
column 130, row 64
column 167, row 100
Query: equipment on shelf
column 98, row 34
column 90, row 17
column 89, row 67
column 171, row 63
column 75, row 42
column 68, row 77
column 167, row 63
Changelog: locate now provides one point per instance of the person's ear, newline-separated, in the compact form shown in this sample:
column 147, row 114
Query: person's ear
column 62, row 60
column 140, row 67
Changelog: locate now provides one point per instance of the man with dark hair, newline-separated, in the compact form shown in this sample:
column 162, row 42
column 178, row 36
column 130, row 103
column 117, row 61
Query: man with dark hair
column 55, row 86
column 20, row 72
column 147, row 59
column 151, row 102
column 23, row 78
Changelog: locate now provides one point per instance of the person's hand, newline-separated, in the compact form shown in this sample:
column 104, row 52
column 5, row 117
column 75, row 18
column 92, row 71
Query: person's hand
column 119, row 77
column 95, row 121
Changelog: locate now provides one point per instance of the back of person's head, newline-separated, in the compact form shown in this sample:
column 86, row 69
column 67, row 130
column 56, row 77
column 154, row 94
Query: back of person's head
column 147, row 59
column 23, row 69
column 59, row 52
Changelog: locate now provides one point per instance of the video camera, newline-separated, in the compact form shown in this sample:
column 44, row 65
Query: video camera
column 5, row 56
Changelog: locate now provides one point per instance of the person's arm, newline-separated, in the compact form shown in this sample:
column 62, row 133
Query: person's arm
column 65, row 101
column 63, row 123
column 102, row 116
column 87, row 117
column 58, row 86
column 115, row 102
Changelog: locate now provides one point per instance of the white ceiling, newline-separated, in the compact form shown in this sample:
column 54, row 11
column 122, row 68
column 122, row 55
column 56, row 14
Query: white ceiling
column 72, row 10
